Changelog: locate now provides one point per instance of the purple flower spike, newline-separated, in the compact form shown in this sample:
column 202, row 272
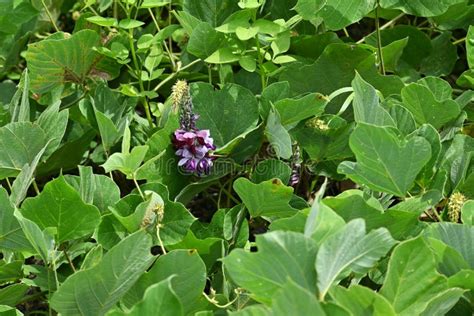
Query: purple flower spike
column 193, row 145
column 193, row 150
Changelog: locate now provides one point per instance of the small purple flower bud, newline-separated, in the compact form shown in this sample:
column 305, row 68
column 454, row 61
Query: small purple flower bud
column 295, row 167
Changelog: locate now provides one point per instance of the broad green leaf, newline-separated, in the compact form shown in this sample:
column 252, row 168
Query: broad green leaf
column 95, row 291
column 425, row 108
column 322, row 222
column 223, row 55
column 103, row 190
column 41, row 241
column 23, row 180
column 269, row 169
column 470, row 47
column 294, row 110
column 412, row 279
column 463, row 279
column 204, row 41
column 103, row 21
column 252, row 310
column 308, row 9
column 385, row 162
column 227, row 113
column 54, row 123
column 127, row 163
column 154, row 3
column 336, row 14
column 11, row 235
column 13, row 294
column 59, row 60
column 423, row 8
column 176, row 220
column 159, row 299
column 417, row 48
column 19, row 144
column 443, row 57
column 209, row 249
column 268, row 198
column 459, row 237
column 188, row 282
column 278, row 136
column 61, row 207
column 362, row 301
column 293, row 299
column 467, row 213
column 351, row 205
column 143, row 215
column 107, row 129
column 212, row 11
column 20, row 104
column 130, row 24
column 10, row 311
column 350, row 250
column 281, row 256
column 366, row 104
column 443, row 302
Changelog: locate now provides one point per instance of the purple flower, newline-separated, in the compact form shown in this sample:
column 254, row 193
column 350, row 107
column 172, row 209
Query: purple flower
column 193, row 149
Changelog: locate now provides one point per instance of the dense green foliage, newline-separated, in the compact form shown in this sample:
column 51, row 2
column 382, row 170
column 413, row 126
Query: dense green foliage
column 337, row 177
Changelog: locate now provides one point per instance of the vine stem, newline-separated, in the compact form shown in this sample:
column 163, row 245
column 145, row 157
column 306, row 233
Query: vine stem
column 170, row 77
column 260, row 63
column 459, row 41
column 379, row 40
column 164, row 42
column 146, row 106
column 50, row 16
column 386, row 25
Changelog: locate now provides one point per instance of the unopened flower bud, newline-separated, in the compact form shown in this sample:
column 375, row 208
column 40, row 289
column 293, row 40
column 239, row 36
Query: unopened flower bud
column 455, row 203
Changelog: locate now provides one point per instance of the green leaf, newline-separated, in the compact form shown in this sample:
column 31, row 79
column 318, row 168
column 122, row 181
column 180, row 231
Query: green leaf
column 204, row 40
column 188, row 282
column 308, row 9
column 11, row 235
column 20, row 104
column 159, row 299
column 209, row 249
column 130, row 24
column 336, row 14
column 281, row 256
column 412, row 279
column 425, row 8
column 443, row 57
column 278, row 136
column 271, row 168
column 20, row 143
column 127, row 163
column 223, row 55
column 294, row 110
column 13, row 294
column 350, row 250
column 107, row 22
column 362, row 301
column 55, row 61
column 292, row 299
column 385, row 162
column 351, row 205
column 366, row 104
column 470, row 47
column 54, row 123
column 467, row 213
column 268, row 198
column 227, row 113
column 212, row 11
column 457, row 236
column 421, row 102
column 62, row 208
column 41, row 241
column 95, row 291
